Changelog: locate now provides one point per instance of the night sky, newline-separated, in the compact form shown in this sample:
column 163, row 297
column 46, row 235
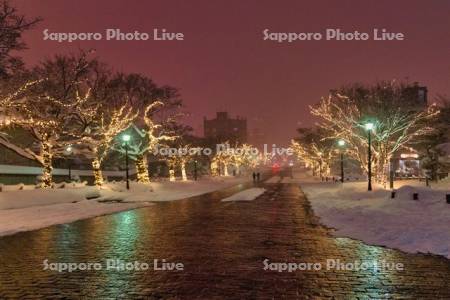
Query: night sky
column 224, row 64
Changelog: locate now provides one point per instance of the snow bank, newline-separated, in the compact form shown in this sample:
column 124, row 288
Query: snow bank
column 22, row 209
column 169, row 191
column 69, row 185
column 21, row 186
column 25, row 170
column 247, row 195
column 375, row 218
column 31, row 218
column 42, row 197
column 16, row 187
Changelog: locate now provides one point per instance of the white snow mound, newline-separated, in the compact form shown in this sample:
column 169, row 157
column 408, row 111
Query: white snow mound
column 247, row 195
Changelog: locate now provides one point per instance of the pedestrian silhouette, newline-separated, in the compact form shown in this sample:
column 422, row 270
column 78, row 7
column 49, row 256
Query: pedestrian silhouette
column 257, row 176
column 254, row 176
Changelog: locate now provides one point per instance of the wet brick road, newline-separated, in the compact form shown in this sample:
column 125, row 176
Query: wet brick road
column 222, row 247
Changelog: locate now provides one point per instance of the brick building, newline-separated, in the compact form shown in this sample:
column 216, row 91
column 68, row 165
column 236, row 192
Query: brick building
column 223, row 128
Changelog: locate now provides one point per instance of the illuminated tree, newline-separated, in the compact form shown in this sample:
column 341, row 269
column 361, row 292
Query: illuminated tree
column 214, row 166
column 172, row 162
column 314, row 148
column 244, row 156
column 9, row 100
column 44, row 110
column 98, row 137
column 265, row 158
column 152, row 136
column 222, row 159
column 398, row 118
column 185, row 155
column 12, row 106
column 115, row 102
column 432, row 147
column 150, row 130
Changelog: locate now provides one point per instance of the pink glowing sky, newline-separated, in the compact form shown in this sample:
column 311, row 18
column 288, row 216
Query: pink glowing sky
column 224, row 64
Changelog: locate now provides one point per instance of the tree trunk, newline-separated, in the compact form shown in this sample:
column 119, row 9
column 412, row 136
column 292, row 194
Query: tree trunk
column 225, row 170
column 142, row 169
column 47, row 157
column 215, row 169
column 237, row 166
column 183, row 171
column 98, row 176
column 382, row 165
column 172, row 175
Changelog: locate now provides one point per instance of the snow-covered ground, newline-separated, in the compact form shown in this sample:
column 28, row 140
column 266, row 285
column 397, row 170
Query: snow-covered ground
column 375, row 218
column 25, row 170
column 24, row 208
column 246, row 195
column 169, row 191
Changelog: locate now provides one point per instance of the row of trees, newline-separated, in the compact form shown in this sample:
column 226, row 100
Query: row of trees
column 239, row 157
column 401, row 123
column 77, row 105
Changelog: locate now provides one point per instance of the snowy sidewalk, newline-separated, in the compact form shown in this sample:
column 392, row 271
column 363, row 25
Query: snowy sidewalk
column 375, row 218
column 30, row 209
column 246, row 195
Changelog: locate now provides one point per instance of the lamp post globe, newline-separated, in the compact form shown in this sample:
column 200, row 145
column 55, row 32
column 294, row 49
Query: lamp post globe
column 126, row 138
column 369, row 126
column 341, row 144
column 68, row 152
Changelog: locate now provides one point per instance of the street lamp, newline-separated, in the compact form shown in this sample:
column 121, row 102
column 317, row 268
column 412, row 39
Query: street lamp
column 126, row 139
column 369, row 127
column 341, row 143
column 69, row 151
column 195, row 169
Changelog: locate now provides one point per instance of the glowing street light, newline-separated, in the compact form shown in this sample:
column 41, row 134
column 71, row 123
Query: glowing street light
column 195, row 169
column 341, row 144
column 126, row 139
column 69, row 150
column 369, row 127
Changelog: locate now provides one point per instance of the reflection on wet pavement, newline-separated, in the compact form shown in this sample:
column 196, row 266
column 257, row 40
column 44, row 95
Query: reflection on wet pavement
column 222, row 246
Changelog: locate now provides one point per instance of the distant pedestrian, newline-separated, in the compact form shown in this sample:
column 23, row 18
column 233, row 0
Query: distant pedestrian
column 254, row 176
column 258, row 176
